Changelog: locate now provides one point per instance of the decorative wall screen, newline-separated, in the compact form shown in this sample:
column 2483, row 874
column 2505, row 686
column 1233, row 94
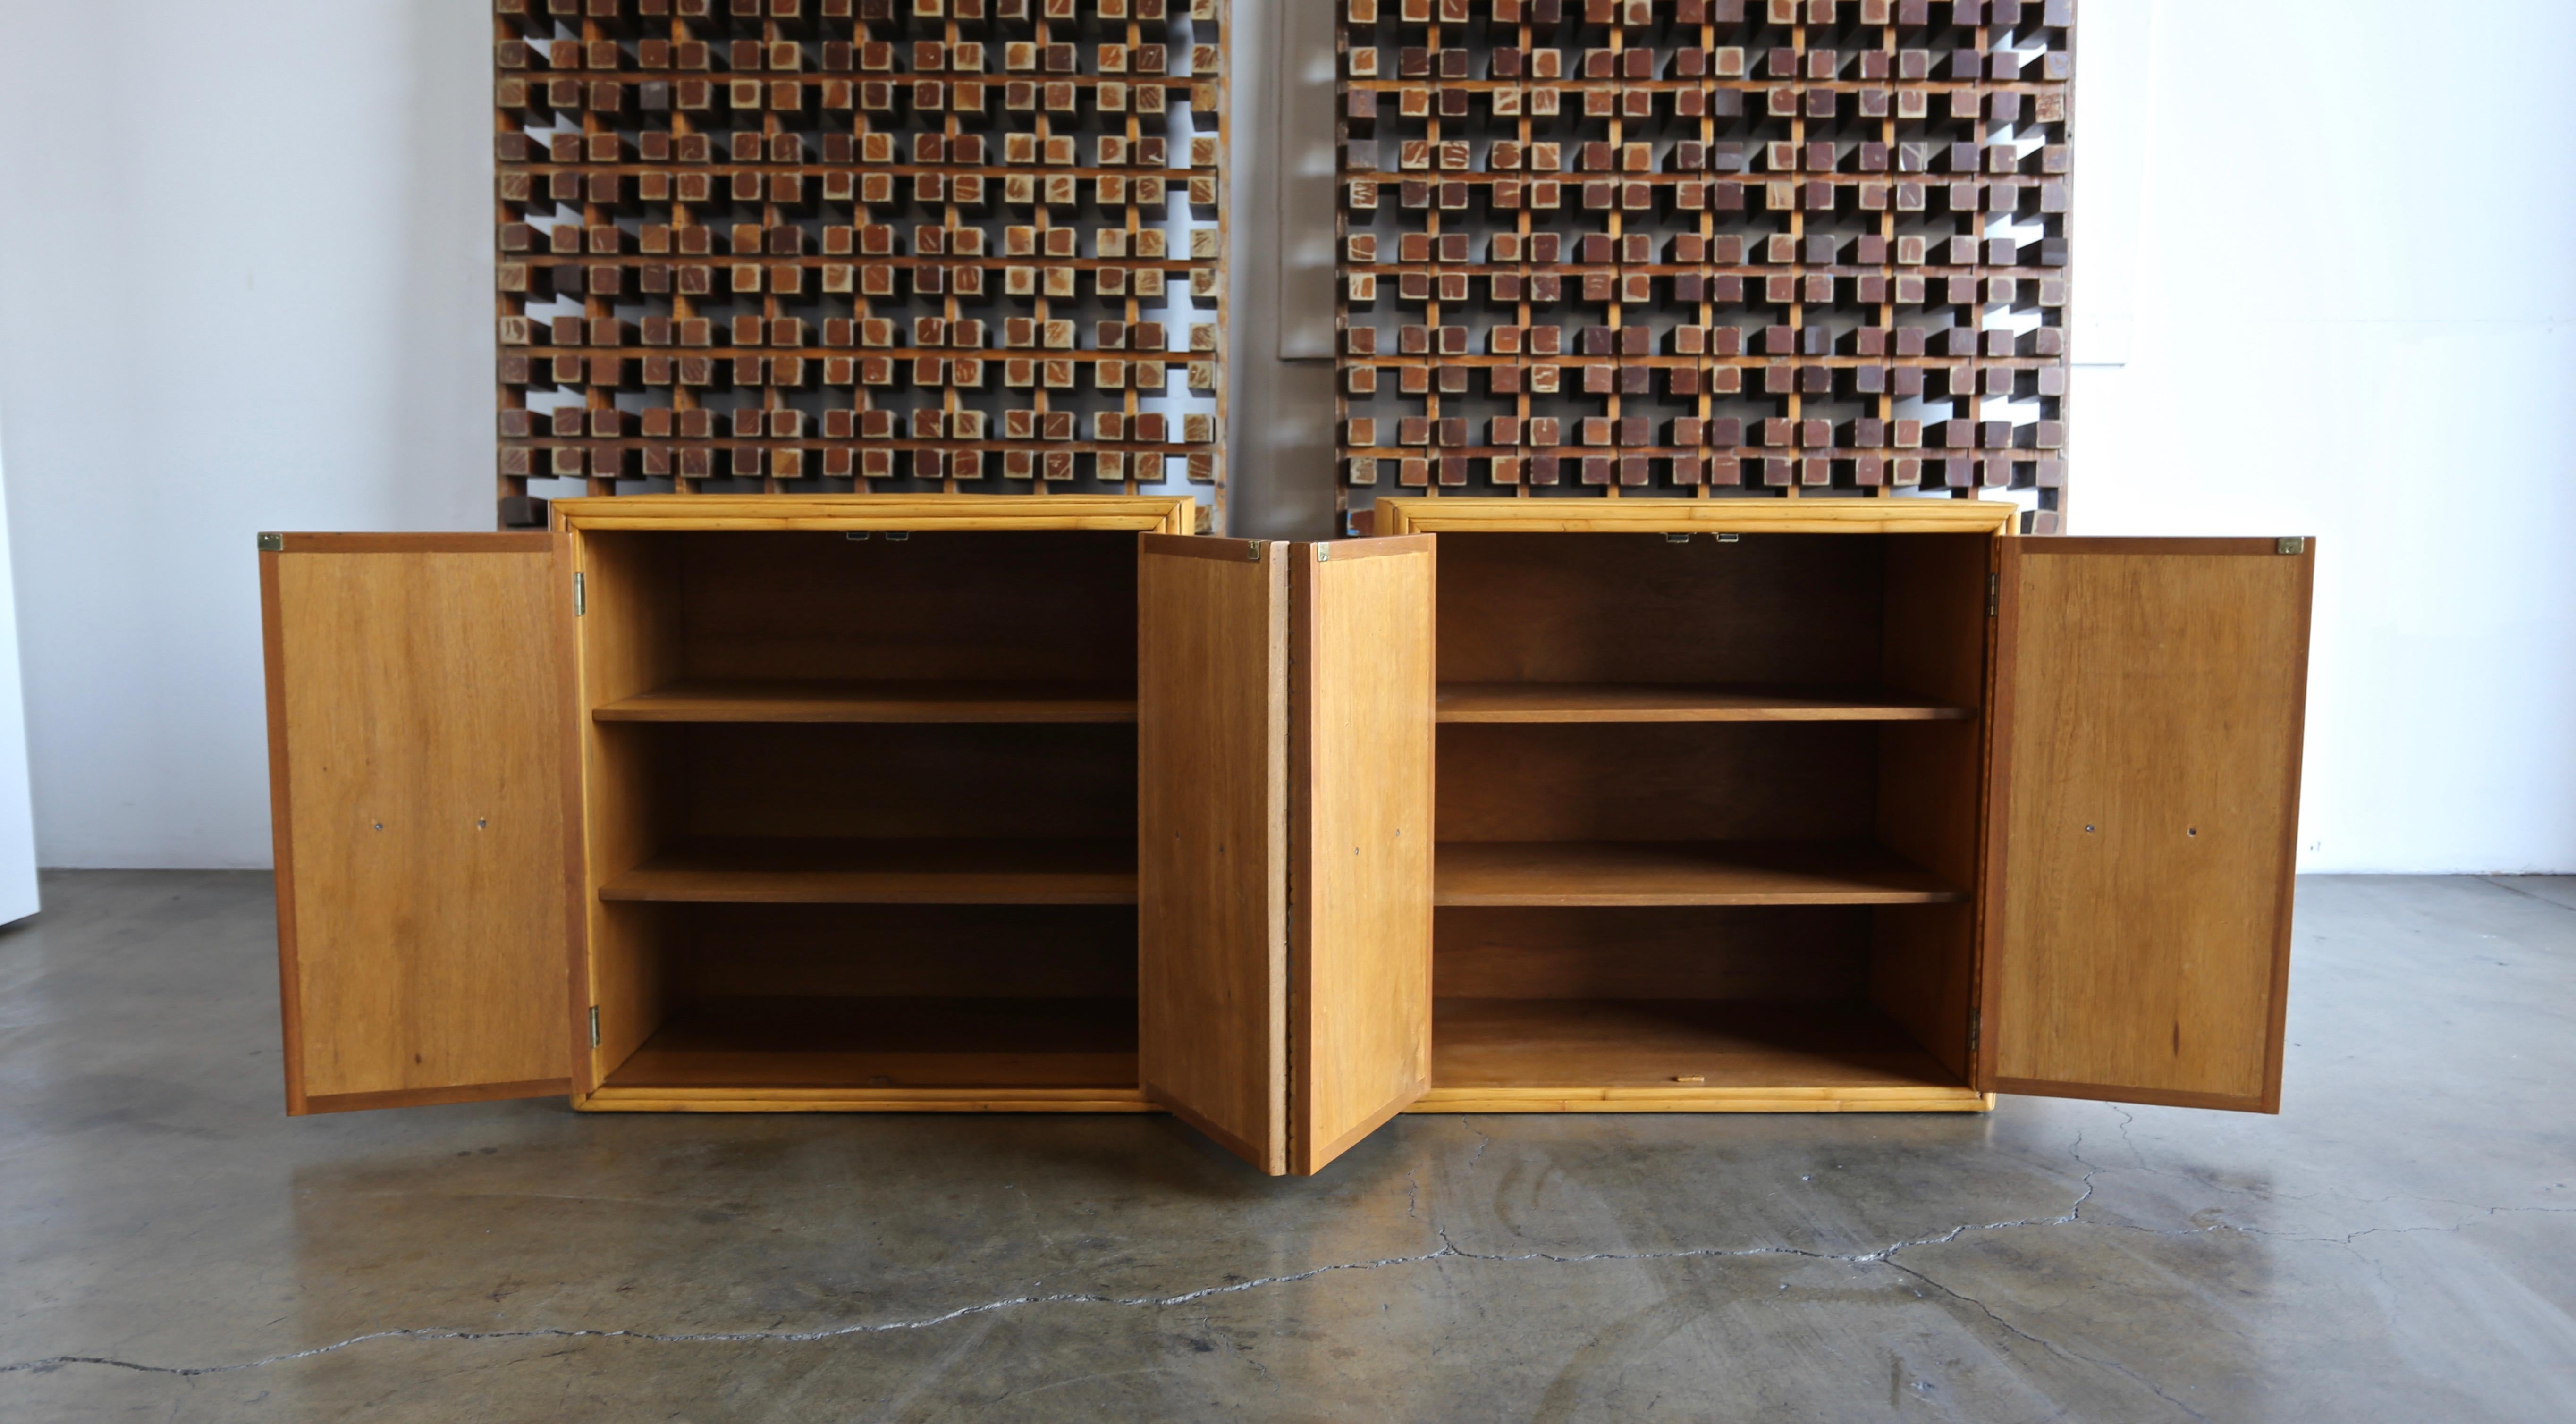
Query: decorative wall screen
column 902, row 245
column 1705, row 247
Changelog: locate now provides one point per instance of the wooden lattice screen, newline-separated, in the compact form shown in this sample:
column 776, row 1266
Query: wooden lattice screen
column 1705, row 247
column 905, row 245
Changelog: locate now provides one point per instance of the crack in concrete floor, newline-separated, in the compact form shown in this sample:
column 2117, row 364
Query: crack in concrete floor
column 2011, row 1319
column 1449, row 1249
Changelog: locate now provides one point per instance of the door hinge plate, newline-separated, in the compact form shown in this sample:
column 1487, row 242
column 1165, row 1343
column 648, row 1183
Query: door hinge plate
column 594, row 1025
column 1976, row 1028
column 272, row 543
column 580, row 596
column 1994, row 593
column 2294, row 544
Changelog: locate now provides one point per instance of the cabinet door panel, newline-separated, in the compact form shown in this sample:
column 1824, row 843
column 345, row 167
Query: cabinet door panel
column 417, row 764
column 1212, row 854
column 2146, row 779
column 1363, row 689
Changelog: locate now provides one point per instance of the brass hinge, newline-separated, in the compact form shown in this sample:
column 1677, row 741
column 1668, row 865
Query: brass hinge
column 1994, row 593
column 1976, row 1027
column 594, row 1026
column 2292, row 545
column 271, row 544
column 1252, row 551
column 1323, row 553
column 580, row 596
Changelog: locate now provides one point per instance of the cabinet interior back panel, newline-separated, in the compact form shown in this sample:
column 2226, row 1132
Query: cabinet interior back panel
column 1696, row 248
column 918, row 246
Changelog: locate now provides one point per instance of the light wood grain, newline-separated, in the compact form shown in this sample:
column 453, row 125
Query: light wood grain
column 1931, row 784
column 630, row 641
column 1745, row 516
column 1657, row 781
column 832, row 771
column 790, row 870
column 999, row 606
column 1553, row 1045
column 417, row 715
column 442, row 543
column 1682, row 873
column 759, row 1098
column 692, row 700
column 1213, row 834
column 905, row 780
column 1701, row 1100
column 2148, row 800
column 1681, row 702
column 281, row 826
column 1363, row 691
column 902, row 1043
column 955, row 513
column 1686, row 952
column 1789, row 611
column 824, row 951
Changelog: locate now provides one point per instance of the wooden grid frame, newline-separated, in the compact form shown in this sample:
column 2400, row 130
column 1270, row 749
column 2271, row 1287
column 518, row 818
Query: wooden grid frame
column 1768, row 248
column 899, row 246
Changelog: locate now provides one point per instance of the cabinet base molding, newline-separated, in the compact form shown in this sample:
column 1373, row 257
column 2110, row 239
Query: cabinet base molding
column 961, row 1100
column 1704, row 1100
column 1438, row 1100
column 1043, row 805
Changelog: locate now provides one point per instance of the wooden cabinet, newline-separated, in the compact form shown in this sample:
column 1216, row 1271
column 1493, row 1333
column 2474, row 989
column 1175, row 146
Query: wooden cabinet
column 705, row 804
column 1856, row 805
column 1523, row 805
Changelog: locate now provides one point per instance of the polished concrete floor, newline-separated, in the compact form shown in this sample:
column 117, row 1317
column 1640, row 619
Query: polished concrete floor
column 2400, row 1244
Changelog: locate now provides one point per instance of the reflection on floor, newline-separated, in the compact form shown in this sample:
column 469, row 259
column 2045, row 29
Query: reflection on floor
column 2400, row 1243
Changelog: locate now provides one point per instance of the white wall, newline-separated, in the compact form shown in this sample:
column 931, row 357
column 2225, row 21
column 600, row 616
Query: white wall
column 244, row 285
column 2356, row 318
column 18, row 889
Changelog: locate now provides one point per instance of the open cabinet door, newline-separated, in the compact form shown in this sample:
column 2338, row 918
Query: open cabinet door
column 417, row 768
column 2148, row 712
column 1212, row 833
column 1362, row 693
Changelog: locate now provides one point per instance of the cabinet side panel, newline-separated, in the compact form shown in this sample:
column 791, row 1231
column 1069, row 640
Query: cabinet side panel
column 1364, row 694
column 418, row 695
column 2149, row 807
column 1931, row 781
column 282, row 830
column 1212, row 868
column 629, row 637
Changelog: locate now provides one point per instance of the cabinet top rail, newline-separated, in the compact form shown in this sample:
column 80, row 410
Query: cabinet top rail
column 1694, row 516
column 1174, row 514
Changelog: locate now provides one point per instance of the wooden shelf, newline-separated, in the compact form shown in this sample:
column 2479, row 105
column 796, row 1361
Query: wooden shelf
column 1576, row 1048
column 906, row 701
column 1680, row 873
column 905, row 1047
column 784, row 870
column 1657, row 702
